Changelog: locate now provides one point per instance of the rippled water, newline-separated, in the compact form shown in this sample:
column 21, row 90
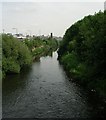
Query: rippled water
column 43, row 91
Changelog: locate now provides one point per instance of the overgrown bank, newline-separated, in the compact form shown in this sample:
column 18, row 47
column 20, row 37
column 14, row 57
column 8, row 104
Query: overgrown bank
column 83, row 52
column 17, row 54
column 39, row 47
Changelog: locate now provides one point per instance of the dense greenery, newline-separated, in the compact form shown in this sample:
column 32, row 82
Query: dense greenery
column 17, row 54
column 83, row 52
column 39, row 47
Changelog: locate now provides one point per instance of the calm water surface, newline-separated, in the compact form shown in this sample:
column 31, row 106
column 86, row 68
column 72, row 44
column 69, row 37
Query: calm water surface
column 44, row 91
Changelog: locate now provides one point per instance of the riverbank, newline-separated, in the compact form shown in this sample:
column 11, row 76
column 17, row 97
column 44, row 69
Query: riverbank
column 44, row 91
column 97, row 101
column 20, row 53
column 40, row 47
column 82, row 54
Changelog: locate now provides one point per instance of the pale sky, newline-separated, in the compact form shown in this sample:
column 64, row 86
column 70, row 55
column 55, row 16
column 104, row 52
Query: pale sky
column 45, row 17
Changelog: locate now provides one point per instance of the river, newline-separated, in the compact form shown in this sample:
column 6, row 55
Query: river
column 44, row 91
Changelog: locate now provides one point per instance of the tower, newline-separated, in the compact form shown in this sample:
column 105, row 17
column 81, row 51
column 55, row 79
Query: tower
column 51, row 35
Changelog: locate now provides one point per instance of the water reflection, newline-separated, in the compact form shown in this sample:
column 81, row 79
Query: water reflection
column 43, row 91
column 15, row 81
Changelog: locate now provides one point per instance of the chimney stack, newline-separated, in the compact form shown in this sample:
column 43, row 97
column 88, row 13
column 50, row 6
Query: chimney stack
column 51, row 35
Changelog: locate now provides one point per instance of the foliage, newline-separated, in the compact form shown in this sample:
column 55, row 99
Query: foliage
column 39, row 46
column 82, row 51
column 15, row 54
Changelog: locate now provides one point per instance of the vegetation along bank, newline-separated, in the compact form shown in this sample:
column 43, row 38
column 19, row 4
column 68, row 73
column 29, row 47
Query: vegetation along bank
column 82, row 52
column 17, row 54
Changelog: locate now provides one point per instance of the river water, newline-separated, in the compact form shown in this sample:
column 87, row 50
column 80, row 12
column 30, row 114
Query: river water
column 44, row 91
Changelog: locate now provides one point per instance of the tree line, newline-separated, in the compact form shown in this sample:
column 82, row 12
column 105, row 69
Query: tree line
column 18, row 54
column 83, row 52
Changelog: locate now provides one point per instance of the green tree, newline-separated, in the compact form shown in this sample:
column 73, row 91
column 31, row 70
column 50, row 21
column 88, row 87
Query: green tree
column 82, row 51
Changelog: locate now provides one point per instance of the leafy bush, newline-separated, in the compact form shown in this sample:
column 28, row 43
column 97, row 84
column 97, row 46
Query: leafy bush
column 86, row 39
column 15, row 54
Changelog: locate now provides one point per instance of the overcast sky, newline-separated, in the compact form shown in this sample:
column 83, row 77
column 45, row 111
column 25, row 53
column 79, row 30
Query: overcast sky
column 45, row 17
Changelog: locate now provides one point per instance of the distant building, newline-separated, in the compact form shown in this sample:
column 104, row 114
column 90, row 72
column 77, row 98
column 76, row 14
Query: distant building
column 19, row 36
